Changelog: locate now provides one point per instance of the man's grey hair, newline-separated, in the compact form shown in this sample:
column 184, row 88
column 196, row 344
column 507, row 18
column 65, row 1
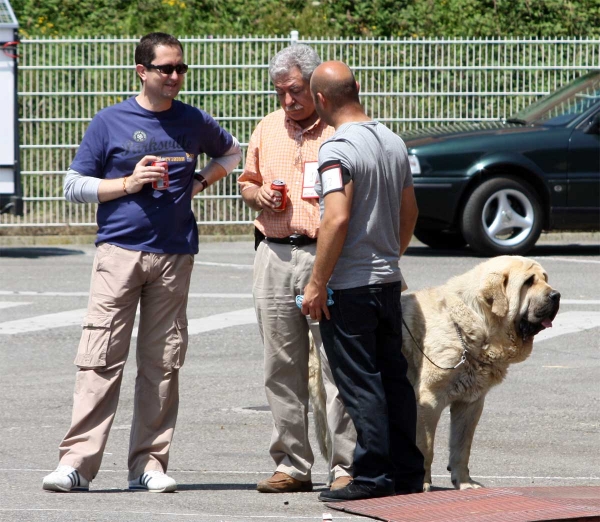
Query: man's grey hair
column 299, row 55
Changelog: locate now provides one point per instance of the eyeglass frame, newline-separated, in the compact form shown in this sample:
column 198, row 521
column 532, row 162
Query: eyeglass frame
column 183, row 68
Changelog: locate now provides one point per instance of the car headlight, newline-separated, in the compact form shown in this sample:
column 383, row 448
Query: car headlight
column 415, row 166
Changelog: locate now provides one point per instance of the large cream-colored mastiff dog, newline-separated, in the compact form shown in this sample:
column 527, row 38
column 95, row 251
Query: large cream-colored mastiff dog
column 459, row 340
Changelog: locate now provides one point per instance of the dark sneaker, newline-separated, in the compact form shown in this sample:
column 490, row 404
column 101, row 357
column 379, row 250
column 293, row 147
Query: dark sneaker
column 65, row 479
column 282, row 483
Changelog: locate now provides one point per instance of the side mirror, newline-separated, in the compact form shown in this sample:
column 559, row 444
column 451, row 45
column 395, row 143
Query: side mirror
column 594, row 125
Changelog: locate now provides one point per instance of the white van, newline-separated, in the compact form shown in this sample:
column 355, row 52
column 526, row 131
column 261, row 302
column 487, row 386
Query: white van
column 11, row 197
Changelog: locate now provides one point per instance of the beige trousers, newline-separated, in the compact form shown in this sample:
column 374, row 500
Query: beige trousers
column 122, row 280
column 280, row 274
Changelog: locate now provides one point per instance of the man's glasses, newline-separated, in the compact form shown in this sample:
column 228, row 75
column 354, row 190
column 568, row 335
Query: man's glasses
column 180, row 68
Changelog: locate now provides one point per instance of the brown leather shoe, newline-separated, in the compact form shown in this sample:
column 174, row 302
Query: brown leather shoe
column 340, row 482
column 283, row 483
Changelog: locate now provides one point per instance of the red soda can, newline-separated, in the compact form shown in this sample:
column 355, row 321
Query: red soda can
column 162, row 183
column 280, row 195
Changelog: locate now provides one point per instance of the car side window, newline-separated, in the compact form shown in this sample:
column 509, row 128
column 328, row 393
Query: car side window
column 570, row 108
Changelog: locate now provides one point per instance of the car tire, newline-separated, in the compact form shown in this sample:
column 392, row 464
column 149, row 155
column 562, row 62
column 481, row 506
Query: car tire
column 440, row 238
column 502, row 215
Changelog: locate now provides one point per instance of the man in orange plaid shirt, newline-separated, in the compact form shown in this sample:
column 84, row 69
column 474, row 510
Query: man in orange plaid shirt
column 285, row 146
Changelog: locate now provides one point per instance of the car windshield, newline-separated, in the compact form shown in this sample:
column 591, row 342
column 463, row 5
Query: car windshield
column 564, row 105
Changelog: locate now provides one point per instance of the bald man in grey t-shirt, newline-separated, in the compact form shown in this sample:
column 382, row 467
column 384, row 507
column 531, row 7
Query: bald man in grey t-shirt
column 368, row 216
column 375, row 160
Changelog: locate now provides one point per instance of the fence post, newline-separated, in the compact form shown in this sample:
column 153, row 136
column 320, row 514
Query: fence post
column 293, row 37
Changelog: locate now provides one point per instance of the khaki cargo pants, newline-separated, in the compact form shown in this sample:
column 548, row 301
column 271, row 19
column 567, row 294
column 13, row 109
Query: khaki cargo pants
column 122, row 279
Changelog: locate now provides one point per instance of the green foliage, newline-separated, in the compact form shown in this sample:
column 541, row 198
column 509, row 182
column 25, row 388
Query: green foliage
column 326, row 18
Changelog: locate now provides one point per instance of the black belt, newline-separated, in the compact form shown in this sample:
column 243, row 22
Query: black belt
column 294, row 239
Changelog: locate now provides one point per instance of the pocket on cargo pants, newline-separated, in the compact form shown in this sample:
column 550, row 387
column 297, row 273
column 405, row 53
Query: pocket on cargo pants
column 177, row 342
column 95, row 340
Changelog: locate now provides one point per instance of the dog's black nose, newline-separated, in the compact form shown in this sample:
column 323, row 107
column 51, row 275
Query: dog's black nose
column 554, row 296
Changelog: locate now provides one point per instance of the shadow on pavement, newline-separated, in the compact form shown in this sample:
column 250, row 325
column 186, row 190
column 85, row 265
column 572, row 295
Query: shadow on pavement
column 215, row 487
column 242, row 487
column 566, row 250
column 540, row 250
column 35, row 252
column 180, row 487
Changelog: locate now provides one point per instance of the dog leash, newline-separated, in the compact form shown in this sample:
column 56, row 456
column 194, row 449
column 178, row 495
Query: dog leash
column 463, row 357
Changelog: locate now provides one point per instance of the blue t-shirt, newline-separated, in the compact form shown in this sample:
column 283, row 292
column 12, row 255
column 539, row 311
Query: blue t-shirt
column 118, row 137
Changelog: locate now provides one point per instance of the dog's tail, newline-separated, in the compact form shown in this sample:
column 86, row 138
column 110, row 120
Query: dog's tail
column 318, row 399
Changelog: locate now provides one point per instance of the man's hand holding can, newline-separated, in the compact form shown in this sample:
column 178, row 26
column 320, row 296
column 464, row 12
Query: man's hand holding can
column 145, row 172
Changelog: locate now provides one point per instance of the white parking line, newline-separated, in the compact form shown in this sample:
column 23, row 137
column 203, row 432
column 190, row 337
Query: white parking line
column 566, row 260
column 187, row 515
column 219, row 321
column 565, row 322
column 85, row 294
column 229, row 296
column 568, row 323
column 42, row 322
column 226, row 265
column 44, row 294
column 197, row 295
column 580, row 301
column 75, row 318
column 9, row 304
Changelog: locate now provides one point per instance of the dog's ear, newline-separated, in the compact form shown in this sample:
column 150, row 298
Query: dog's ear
column 493, row 291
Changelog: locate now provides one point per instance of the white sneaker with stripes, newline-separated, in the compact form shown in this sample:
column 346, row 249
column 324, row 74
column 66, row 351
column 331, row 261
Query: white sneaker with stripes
column 154, row 482
column 65, row 479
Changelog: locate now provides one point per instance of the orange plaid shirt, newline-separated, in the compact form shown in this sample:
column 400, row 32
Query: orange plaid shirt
column 278, row 149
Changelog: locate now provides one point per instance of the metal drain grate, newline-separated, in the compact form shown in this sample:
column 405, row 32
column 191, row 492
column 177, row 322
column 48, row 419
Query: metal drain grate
column 483, row 505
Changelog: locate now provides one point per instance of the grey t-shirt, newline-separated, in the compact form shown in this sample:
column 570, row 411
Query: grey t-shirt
column 376, row 160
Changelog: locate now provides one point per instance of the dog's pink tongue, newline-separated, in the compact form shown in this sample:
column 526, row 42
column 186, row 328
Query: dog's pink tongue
column 547, row 323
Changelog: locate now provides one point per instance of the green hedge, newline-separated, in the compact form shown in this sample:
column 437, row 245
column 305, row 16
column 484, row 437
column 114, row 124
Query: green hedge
column 327, row 18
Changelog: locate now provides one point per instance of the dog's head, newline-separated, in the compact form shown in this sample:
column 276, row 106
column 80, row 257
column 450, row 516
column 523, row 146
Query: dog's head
column 516, row 289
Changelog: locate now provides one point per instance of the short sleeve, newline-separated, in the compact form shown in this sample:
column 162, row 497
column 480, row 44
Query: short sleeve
column 216, row 140
column 90, row 159
column 333, row 176
column 251, row 175
column 335, row 170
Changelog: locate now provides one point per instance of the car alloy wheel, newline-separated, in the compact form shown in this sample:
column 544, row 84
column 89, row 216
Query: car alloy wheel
column 502, row 216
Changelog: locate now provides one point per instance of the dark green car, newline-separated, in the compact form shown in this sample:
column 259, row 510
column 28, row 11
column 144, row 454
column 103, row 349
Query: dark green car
column 496, row 186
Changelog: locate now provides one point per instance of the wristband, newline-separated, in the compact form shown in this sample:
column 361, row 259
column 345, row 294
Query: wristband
column 124, row 187
column 202, row 180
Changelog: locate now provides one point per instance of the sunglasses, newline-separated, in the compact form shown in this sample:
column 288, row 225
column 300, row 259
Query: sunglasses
column 180, row 68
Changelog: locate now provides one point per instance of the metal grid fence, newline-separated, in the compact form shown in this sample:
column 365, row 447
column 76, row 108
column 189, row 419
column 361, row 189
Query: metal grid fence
column 404, row 83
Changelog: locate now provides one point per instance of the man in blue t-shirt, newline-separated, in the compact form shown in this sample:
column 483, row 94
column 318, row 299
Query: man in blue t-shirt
column 147, row 238
column 368, row 214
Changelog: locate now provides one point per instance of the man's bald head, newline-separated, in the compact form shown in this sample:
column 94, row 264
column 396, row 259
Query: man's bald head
column 336, row 83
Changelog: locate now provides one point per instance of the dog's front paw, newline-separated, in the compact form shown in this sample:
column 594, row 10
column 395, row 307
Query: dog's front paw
column 467, row 484
column 470, row 485
column 426, row 487
column 461, row 478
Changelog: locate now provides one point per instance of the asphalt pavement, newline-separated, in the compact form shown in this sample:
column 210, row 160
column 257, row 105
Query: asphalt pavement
column 540, row 427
